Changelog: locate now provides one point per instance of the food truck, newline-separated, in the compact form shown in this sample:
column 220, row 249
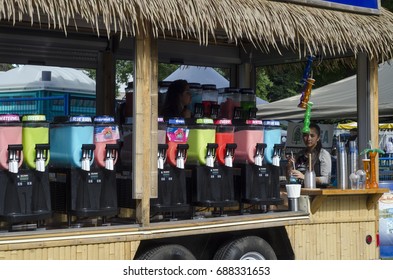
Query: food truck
column 97, row 217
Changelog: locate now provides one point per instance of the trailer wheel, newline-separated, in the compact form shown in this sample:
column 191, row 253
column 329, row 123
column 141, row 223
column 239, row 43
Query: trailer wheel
column 246, row 248
column 167, row 252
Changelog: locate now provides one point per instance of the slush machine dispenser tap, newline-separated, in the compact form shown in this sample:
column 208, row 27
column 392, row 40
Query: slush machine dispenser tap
column 87, row 155
column 237, row 113
column 14, row 157
column 211, row 154
column 259, row 153
column 41, row 155
column 181, row 155
column 252, row 113
column 162, row 148
column 111, row 152
column 229, row 154
column 277, row 150
column 215, row 111
column 198, row 110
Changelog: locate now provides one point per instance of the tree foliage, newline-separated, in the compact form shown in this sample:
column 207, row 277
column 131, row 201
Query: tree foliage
column 5, row 67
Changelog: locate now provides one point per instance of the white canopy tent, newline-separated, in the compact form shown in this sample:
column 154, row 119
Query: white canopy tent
column 336, row 100
column 37, row 77
column 201, row 75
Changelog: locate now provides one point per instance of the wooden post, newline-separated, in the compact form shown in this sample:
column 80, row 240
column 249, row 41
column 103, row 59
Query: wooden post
column 105, row 85
column 363, row 103
column 246, row 76
column 154, row 121
column 374, row 114
column 367, row 104
column 145, row 124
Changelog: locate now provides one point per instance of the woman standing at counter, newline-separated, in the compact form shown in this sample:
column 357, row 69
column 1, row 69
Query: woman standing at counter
column 320, row 158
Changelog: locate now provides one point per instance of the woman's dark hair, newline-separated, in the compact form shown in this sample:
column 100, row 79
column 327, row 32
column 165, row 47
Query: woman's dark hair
column 172, row 106
column 319, row 143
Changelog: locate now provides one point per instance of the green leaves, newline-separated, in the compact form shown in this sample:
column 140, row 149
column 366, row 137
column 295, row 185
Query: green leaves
column 366, row 151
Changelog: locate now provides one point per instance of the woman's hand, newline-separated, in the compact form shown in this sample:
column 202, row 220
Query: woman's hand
column 297, row 174
column 290, row 162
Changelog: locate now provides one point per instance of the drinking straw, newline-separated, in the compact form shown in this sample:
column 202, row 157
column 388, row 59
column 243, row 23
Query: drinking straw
column 309, row 162
column 293, row 161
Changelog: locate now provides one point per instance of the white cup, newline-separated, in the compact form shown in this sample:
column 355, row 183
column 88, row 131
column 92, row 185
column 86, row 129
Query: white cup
column 293, row 192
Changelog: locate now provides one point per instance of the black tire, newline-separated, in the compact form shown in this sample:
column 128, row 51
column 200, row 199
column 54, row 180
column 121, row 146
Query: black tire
column 246, row 248
column 167, row 252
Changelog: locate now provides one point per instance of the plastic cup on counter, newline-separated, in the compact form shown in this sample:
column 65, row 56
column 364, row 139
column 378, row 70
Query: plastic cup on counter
column 354, row 181
column 362, row 179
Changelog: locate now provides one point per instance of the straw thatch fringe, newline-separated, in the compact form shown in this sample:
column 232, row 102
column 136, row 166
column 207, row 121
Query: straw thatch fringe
column 266, row 24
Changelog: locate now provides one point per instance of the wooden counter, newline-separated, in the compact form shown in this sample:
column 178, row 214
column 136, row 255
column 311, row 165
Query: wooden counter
column 318, row 196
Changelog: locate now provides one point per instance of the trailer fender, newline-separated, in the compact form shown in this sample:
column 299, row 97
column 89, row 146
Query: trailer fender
column 167, row 252
column 246, row 248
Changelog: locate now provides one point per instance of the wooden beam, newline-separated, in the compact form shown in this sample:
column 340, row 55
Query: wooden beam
column 154, row 122
column 105, row 85
column 374, row 114
column 363, row 103
column 317, row 202
column 143, row 145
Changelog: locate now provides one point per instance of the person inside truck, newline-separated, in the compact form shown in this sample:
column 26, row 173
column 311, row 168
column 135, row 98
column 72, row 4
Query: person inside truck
column 178, row 97
column 321, row 159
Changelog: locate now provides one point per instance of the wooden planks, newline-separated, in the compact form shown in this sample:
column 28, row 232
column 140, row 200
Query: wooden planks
column 333, row 241
column 109, row 251
column 320, row 195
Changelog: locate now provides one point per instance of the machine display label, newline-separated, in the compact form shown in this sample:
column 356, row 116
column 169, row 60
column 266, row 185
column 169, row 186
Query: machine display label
column 215, row 173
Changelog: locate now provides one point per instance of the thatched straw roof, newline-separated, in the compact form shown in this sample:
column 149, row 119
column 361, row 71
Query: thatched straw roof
column 267, row 24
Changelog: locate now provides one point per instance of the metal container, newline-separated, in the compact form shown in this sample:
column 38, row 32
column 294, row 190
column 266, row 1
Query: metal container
column 310, row 180
column 352, row 157
column 342, row 166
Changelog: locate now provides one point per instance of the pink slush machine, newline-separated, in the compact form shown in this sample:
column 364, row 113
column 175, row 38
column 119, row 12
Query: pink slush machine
column 257, row 177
